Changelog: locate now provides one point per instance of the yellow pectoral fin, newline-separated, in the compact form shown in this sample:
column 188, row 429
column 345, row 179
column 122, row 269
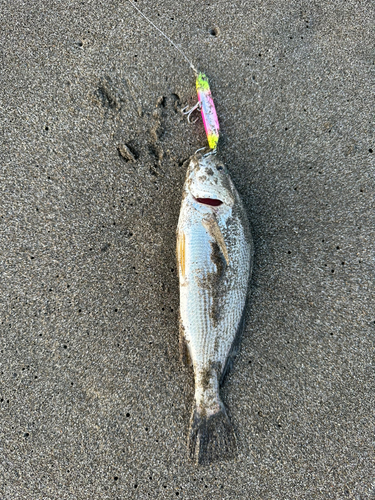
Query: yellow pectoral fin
column 212, row 227
column 181, row 255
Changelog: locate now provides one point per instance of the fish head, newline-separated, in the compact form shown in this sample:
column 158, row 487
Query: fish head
column 208, row 182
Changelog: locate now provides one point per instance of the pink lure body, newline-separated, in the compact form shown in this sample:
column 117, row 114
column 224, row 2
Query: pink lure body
column 209, row 115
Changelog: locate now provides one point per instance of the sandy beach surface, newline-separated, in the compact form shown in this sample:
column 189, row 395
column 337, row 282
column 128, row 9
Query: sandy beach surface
column 94, row 402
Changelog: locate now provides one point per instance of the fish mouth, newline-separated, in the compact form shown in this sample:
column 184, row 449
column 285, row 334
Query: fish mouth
column 212, row 202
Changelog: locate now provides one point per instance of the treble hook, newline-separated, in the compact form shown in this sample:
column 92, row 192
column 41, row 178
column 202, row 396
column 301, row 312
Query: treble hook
column 189, row 111
column 212, row 152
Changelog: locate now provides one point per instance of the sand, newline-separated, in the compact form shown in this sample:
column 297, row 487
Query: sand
column 94, row 402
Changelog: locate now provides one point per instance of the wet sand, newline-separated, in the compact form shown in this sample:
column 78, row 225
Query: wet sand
column 94, row 402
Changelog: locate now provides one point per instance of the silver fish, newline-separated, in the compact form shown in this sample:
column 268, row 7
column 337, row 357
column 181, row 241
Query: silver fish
column 215, row 255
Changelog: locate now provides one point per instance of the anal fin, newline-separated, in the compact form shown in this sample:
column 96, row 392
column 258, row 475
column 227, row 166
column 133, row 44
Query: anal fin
column 184, row 350
column 235, row 348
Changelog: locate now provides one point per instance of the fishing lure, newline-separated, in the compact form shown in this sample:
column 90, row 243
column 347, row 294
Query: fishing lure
column 207, row 108
column 205, row 102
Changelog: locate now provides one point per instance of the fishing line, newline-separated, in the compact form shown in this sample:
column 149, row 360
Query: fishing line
column 205, row 102
column 167, row 37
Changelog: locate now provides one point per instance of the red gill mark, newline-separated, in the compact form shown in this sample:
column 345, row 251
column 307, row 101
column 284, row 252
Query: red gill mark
column 209, row 201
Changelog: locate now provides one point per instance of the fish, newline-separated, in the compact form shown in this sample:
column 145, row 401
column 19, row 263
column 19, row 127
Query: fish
column 214, row 258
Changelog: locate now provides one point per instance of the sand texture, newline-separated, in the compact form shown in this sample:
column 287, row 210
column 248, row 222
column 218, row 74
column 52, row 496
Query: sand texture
column 94, row 401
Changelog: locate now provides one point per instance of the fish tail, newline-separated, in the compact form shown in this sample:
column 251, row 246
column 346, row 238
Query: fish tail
column 212, row 437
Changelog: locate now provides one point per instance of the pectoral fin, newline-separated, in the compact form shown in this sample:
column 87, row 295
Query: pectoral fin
column 212, row 227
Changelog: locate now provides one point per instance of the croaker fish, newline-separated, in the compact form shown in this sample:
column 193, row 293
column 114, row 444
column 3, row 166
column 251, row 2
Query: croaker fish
column 215, row 254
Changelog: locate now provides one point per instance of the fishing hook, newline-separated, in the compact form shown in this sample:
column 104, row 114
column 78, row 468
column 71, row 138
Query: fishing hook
column 212, row 152
column 198, row 106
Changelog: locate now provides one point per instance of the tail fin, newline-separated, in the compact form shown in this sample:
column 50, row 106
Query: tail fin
column 211, row 438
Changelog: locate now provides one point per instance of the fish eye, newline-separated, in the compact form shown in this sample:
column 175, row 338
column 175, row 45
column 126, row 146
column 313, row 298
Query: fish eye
column 219, row 167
